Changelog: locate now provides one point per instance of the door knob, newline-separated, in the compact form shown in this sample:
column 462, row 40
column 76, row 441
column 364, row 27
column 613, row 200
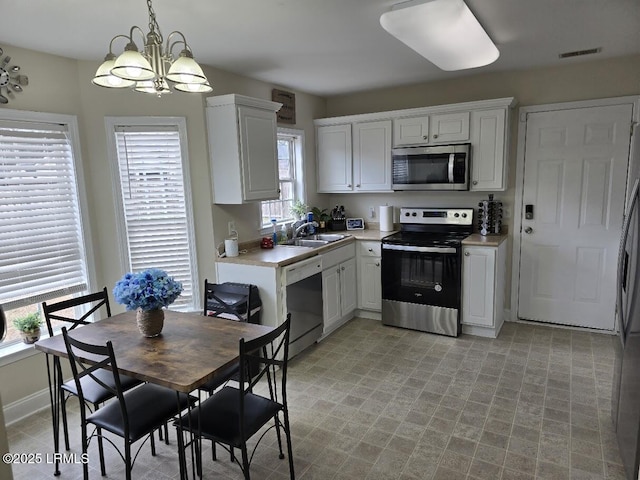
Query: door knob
column 528, row 230
column 466, row 254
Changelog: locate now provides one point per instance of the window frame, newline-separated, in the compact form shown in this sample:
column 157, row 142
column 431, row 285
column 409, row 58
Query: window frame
column 16, row 351
column 111, row 123
column 299, row 175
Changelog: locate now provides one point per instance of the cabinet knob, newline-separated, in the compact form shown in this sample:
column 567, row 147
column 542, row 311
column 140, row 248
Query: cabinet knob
column 466, row 254
column 377, row 264
column 358, row 186
column 371, row 249
column 343, row 269
column 349, row 185
column 435, row 135
column 475, row 182
column 528, row 230
column 425, row 137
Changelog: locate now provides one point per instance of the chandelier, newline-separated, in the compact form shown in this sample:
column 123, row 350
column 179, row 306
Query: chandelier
column 154, row 70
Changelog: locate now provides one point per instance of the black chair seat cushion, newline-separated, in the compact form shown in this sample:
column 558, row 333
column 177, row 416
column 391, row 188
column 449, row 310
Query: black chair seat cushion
column 96, row 393
column 148, row 407
column 224, row 376
column 220, row 415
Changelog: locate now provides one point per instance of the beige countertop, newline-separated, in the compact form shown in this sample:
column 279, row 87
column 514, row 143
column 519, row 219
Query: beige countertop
column 484, row 241
column 283, row 255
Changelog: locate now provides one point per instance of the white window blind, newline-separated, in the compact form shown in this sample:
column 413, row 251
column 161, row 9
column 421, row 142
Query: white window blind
column 158, row 230
column 41, row 244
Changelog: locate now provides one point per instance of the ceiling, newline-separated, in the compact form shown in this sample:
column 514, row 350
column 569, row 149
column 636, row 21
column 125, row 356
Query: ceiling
column 324, row 47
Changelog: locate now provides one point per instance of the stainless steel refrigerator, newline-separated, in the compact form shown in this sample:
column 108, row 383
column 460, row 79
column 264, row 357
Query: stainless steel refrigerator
column 626, row 383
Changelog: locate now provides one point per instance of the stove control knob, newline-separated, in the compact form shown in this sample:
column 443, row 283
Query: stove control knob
column 414, row 214
column 437, row 287
column 464, row 215
column 407, row 214
column 456, row 215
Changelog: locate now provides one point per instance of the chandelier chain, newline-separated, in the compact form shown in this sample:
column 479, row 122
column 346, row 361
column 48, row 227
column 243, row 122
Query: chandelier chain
column 154, row 28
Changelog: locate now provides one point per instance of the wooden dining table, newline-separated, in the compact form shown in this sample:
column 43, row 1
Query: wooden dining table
column 191, row 350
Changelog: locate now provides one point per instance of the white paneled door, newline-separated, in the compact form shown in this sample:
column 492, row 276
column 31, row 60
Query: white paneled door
column 574, row 188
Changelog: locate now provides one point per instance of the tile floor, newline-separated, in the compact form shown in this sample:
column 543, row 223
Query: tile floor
column 375, row 402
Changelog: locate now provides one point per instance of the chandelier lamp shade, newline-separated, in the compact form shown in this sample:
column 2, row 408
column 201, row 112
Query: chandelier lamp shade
column 445, row 32
column 154, row 70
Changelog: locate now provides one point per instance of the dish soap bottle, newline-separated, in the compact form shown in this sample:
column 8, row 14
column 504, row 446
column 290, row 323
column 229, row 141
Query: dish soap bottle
column 274, row 235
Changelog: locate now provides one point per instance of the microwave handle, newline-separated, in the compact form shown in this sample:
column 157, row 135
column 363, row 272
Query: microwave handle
column 452, row 159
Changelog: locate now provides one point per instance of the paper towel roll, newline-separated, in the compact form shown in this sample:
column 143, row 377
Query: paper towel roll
column 386, row 218
column 231, row 247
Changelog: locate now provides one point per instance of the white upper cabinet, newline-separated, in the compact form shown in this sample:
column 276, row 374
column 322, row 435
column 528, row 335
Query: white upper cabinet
column 372, row 156
column 410, row 131
column 489, row 148
column 354, row 157
column 432, row 129
column 449, row 127
column 242, row 135
column 335, row 162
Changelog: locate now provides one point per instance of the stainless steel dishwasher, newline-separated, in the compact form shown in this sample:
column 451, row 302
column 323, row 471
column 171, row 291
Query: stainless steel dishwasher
column 303, row 283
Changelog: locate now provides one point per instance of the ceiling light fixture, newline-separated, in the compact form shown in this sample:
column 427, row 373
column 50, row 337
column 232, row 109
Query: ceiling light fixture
column 445, row 32
column 152, row 70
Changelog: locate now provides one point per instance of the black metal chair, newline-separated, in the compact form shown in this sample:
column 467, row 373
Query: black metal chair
column 231, row 416
column 3, row 324
column 133, row 415
column 231, row 301
column 94, row 393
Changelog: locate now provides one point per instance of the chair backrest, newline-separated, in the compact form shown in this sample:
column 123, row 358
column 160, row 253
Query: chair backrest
column 227, row 300
column 270, row 353
column 85, row 360
column 3, row 324
column 56, row 311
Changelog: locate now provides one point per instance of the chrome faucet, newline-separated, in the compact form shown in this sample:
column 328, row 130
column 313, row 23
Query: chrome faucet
column 304, row 225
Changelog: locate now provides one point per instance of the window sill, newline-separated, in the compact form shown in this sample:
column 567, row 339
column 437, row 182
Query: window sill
column 16, row 352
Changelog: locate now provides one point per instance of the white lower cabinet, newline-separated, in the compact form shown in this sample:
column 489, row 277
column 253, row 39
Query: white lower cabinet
column 483, row 285
column 369, row 276
column 339, row 291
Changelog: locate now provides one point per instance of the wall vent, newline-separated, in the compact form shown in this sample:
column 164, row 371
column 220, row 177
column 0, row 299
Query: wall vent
column 579, row 53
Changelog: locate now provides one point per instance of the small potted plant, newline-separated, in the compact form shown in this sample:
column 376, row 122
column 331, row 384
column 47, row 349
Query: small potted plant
column 299, row 209
column 29, row 327
column 320, row 216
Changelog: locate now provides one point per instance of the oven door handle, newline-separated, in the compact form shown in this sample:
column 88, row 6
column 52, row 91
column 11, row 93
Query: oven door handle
column 407, row 248
column 452, row 159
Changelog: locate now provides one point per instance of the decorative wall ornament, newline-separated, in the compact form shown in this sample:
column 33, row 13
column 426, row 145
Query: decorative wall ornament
column 287, row 113
column 11, row 81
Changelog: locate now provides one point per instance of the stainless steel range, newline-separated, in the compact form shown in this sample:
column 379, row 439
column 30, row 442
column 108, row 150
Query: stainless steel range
column 422, row 270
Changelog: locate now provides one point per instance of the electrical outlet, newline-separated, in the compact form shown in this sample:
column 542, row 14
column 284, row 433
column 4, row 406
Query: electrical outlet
column 232, row 227
column 372, row 212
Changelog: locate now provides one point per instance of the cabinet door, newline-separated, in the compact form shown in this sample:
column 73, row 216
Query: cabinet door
column 258, row 152
column 348, row 290
column 372, row 156
column 449, row 127
column 335, row 167
column 488, row 165
column 410, row 131
column 331, row 297
column 369, row 283
column 478, row 277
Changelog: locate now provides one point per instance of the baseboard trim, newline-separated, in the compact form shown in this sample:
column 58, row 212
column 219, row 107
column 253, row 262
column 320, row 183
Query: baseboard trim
column 369, row 314
column 27, row 406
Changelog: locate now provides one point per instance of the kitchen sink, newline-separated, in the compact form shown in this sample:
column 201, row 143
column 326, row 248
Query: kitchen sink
column 329, row 237
column 307, row 242
column 315, row 241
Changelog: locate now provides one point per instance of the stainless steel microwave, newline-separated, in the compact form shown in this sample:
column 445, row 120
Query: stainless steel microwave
column 442, row 167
